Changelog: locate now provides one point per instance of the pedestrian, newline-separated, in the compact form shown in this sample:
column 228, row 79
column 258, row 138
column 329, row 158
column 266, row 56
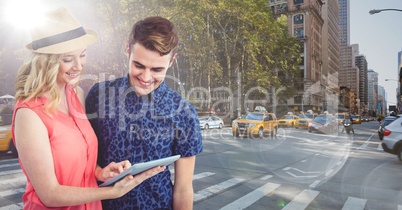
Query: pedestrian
column 139, row 118
column 56, row 144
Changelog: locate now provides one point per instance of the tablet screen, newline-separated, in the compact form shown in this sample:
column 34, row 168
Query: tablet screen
column 140, row 167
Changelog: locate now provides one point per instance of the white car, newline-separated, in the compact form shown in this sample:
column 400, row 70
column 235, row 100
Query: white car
column 392, row 141
column 207, row 122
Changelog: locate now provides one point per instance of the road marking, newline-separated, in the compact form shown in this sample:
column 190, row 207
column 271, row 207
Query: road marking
column 366, row 142
column 251, row 197
column 379, row 147
column 9, row 160
column 314, row 184
column 12, row 192
column 10, row 172
column 10, row 165
column 399, row 207
column 354, row 204
column 309, row 140
column 302, row 200
column 329, row 172
column 11, row 207
column 266, row 177
column 17, row 180
column 207, row 192
column 195, row 177
column 303, row 172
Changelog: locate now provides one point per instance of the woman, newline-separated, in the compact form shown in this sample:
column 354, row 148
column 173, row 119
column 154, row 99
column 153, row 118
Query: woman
column 56, row 144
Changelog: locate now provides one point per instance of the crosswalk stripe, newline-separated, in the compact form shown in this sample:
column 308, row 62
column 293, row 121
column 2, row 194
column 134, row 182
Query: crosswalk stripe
column 302, row 200
column 353, row 203
column 11, row 207
column 10, row 172
column 202, row 194
column 251, row 197
column 9, row 165
column 195, row 177
column 5, row 161
column 16, row 180
column 12, row 192
column 399, row 207
column 202, row 175
column 266, row 177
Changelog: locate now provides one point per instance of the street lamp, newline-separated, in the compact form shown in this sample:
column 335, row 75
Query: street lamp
column 391, row 80
column 374, row 11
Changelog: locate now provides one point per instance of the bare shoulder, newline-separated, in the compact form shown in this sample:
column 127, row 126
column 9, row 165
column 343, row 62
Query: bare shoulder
column 27, row 122
column 26, row 114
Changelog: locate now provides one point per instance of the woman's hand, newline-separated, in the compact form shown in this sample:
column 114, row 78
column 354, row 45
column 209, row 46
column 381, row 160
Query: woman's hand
column 111, row 170
column 129, row 182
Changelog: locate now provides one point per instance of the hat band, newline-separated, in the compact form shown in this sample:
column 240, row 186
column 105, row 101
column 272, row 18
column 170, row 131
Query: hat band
column 55, row 39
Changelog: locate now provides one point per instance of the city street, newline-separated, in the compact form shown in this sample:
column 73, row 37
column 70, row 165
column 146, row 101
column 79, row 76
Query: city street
column 297, row 170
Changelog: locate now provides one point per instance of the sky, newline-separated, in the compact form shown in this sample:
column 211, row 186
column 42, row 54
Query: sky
column 379, row 37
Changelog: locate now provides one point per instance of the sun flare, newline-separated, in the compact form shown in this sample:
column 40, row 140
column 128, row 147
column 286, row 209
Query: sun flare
column 24, row 13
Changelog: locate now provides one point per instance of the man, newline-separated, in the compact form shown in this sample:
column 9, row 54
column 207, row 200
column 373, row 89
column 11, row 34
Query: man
column 139, row 118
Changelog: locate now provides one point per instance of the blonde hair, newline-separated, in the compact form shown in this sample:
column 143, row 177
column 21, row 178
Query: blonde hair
column 37, row 76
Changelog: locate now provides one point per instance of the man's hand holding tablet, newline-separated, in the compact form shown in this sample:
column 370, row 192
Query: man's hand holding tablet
column 140, row 167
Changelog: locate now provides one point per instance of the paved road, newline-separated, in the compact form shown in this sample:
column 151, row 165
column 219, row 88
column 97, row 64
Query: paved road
column 297, row 170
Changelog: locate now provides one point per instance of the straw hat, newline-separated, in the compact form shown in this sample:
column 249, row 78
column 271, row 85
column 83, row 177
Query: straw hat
column 60, row 33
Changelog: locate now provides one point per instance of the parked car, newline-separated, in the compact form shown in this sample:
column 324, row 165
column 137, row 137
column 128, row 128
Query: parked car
column 356, row 119
column 207, row 122
column 323, row 123
column 6, row 141
column 386, row 121
column 303, row 120
column 287, row 120
column 392, row 141
column 255, row 123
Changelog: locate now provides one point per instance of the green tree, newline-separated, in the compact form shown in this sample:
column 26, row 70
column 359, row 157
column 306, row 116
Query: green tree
column 219, row 39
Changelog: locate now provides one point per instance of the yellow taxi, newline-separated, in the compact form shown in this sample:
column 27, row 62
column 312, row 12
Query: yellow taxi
column 255, row 123
column 288, row 120
column 356, row 119
column 6, row 142
column 304, row 119
column 340, row 117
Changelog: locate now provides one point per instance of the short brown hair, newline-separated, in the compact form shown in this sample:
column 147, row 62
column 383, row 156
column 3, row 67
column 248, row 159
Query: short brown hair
column 154, row 33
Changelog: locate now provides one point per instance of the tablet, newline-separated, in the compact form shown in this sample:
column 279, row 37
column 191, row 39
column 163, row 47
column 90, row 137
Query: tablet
column 140, row 167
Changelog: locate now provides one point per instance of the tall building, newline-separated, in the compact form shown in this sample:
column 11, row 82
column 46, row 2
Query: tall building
column 305, row 22
column 344, row 22
column 348, row 73
column 361, row 63
column 382, row 101
column 372, row 90
column 330, row 52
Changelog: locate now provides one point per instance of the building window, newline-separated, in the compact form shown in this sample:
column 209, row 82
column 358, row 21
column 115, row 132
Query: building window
column 298, row 19
column 298, row 32
column 297, row 2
